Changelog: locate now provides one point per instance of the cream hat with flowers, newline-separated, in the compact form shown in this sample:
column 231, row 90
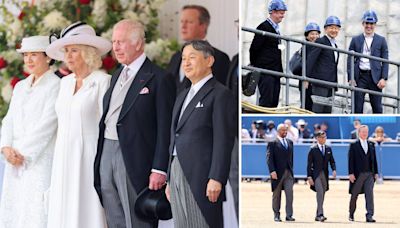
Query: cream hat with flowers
column 77, row 33
column 34, row 44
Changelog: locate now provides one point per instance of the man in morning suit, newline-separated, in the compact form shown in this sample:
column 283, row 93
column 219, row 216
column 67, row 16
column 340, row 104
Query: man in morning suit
column 194, row 23
column 369, row 74
column 363, row 171
column 202, row 138
column 265, row 52
column 317, row 171
column 134, row 129
column 322, row 63
column 280, row 165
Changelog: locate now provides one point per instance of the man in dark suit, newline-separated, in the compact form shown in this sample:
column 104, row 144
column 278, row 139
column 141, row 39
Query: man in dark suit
column 134, row 129
column 322, row 63
column 202, row 138
column 280, row 165
column 369, row 74
column 319, row 157
column 363, row 171
column 194, row 23
column 265, row 52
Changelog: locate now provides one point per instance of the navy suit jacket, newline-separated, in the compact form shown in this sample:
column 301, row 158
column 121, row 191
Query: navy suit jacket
column 379, row 49
column 204, row 138
column 321, row 63
column 264, row 51
column 143, row 125
column 279, row 159
column 357, row 156
column 317, row 162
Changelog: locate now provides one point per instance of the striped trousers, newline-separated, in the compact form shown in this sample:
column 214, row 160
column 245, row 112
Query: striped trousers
column 185, row 211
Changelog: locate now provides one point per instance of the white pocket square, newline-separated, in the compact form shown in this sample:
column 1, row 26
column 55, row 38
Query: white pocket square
column 145, row 90
column 199, row 105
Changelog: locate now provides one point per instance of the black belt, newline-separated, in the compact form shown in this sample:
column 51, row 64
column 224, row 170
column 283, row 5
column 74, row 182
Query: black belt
column 365, row 71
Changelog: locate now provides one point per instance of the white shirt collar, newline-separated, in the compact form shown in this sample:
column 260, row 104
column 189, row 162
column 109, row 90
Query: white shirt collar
column 332, row 40
column 196, row 87
column 136, row 64
column 369, row 36
column 280, row 138
column 320, row 145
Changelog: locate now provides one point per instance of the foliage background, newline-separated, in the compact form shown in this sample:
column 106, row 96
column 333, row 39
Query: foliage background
column 48, row 17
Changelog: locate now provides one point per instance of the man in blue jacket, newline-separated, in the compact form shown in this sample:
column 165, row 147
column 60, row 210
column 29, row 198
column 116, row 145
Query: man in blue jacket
column 369, row 74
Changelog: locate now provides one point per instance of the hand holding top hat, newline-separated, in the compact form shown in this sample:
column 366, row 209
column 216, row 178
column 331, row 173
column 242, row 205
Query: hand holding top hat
column 153, row 205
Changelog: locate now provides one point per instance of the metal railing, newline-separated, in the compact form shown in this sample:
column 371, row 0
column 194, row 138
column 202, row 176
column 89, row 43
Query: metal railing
column 303, row 77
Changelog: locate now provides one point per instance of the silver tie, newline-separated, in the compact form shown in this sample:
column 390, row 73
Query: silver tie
column 188, row 98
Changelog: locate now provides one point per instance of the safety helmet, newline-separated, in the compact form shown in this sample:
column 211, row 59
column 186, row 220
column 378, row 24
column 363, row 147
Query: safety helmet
column 370, row 16
column 312, row 26
column 277, row 5
column 332, row 20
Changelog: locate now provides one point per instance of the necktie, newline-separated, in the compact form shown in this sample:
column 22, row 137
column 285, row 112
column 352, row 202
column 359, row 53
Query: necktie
column 188, row 98
column 124, row 76
column 284, row 143
column 365, row 146
column 323, row 150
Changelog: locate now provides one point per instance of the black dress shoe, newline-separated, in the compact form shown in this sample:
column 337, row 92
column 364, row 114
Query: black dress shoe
column 320, row 218
column 277, row 219
column 290, row 219
column 370, row 220
column 351, row 218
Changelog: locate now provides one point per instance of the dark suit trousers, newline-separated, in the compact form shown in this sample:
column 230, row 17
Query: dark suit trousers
column 308, row 101
column 365, row 81
column 364, row 181
column 322, row 92
column 320, row 188
column 286, row 184
column 269, row 87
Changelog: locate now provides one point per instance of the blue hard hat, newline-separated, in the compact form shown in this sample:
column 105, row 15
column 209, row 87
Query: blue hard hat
column 312, row 26
column 332, row 20
column 277, row 5
column 370, row 16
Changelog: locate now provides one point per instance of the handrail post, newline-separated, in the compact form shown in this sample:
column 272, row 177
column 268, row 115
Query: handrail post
column 353, row 98
column 303, row 74
column 287, row 70
column 398, row 89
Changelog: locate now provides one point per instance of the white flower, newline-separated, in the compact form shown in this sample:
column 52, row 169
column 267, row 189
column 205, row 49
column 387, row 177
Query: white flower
column 14, row 32
column 129, row 14
column 144, row 19
column 156, row 4
column 53, row 21
column 108, row 34
column 11, row 55
column 6, row 91
column 152, row 50
column 99, row 12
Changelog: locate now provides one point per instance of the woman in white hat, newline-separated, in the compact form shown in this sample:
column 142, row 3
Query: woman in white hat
column 27, row 139
column 73, row 200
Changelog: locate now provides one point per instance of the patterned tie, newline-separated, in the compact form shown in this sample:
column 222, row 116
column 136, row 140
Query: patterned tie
column 284, row 143
column 124, row 76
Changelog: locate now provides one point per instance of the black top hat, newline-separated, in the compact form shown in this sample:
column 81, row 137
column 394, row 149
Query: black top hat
column 153, row 205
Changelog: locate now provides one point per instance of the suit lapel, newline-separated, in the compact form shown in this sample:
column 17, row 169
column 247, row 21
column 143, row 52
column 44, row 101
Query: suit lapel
column 178, row 106
column 197, row 98
column 142, row 77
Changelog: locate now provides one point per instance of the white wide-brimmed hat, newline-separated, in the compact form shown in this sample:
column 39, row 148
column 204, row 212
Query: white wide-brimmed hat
column 34, row 44
column 77, row 33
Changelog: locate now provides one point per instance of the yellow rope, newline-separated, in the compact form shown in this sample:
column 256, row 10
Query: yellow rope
column 279, row 110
